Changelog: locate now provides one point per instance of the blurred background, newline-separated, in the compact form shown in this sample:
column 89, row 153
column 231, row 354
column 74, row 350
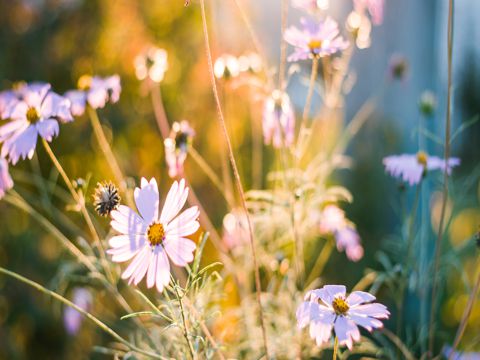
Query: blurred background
column 57, row 41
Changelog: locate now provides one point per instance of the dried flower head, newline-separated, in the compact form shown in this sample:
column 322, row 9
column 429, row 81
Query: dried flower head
column 106, row 198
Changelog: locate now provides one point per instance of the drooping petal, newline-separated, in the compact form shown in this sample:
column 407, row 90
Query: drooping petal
column 359, row 297
column 346, row 331
column 21, row 144
column 368, row 323
column 147, row 200
column 321, row 328
column 48, row 129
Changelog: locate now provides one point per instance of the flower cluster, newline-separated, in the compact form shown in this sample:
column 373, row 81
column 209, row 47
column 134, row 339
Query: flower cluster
column 176, row 147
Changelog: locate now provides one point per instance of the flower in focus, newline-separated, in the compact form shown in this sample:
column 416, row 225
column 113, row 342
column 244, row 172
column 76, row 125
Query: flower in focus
column 106, row 198
column 315, row 39
column 333, row 221
column 152, row 64
column 226, row 67
column 72, row 319
column 398, row 67
column 278, row 120
column 154, row 236
column 311, row 5
column 176, row 147
column 412, row 167
column 427, row 103
column 37, row 114
column 6, row 182
column 374, row 8
column 94, row 91
column 329, row 308
column 235, row 229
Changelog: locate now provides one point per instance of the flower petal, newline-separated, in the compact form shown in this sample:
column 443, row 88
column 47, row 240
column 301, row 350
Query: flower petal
column 346, row 331
column 136, row 265
column 359, row 297
column 376, row 310
column 176, row 198
column 368, row 323
column 126, row 221
column 147, row 200
column 163, row 271
column 48, row 129
column 180, row 250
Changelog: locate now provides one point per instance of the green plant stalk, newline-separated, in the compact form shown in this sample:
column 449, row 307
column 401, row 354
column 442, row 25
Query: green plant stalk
column 89, row 316
column 335, row 349
column 184, row 322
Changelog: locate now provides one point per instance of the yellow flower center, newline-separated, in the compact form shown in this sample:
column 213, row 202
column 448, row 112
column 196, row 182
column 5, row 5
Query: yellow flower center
column 155, row 234
column 315, row 44
column 84, row 82
column 32, row 115
column 422, row 158
column 340, row 306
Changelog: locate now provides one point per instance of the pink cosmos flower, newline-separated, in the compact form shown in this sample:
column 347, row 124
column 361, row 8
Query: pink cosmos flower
column 329, row 308
column 412, row 167
column 278, row 120
column 315, row 39
column 155, row 235
column 72, row 319
column 310, row 5
column 176, row 147
column 374, row 7
column 333, row 221
column 6, row 182
column 235, row 229
column 94, row 91
column 37, row 114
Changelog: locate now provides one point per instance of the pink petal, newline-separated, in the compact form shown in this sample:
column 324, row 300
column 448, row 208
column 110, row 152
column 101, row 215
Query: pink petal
column 359, row 297
column 136, row 265
column 180, row 250
column 176, row 198
column 21, row 145
column 321, row 329
column 126, row 221
column 368, row 323
column 346, row 331
column 374, row 310
column 184, row 219
column 163, row 271
column 147, row 200
column 48, row 129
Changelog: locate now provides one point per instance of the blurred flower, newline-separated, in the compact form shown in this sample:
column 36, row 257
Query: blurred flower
column 151, row 64
column 226, row 67
column 315, row 39
column 235, row 229
column 94, row 91
column 6, row 182
column 329, row 308
column 310, row 5
column 398, row 67
column 154, row 236
column 72, row 319
column 37, row 114
column 278, row 120
column 332, row 221
column 176, row 147
column 411, row 167
column 8, row 100
column 457, row 355
column 374, row 7
column 360, row 27
column 106, row 198
column 427, row 103
column 250, row 63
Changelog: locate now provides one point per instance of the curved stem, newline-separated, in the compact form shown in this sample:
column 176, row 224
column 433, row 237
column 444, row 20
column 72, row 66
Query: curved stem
column 236, row 175
column 159, row 110
column 438, row 243
column 89, row 316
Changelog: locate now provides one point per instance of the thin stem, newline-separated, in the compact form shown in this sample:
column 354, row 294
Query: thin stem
column 159, row 110
column 283, row 46
column 335, row 349
column 184, row 322
column 441, row 229
column 236, row 175
column 465, row 317
column 89, row 316
column 398, row 343
column 320, row 262
column 106, row 149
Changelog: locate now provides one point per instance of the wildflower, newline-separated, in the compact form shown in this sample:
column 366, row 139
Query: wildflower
column 106, row 198
column 427, row 103
column 374, row 8
column 176, row 147
column 311, row 5
column 412, row 167
column 151, row 64
column 235, row 229
column 95, row 92
column 333, row 221
column 329, row 308
column 398, row 67
column 37, row 114
column 72, row 319
column 154, row 236
column 226, row 67
column 315, row 39
column 360, row 27
column 278, row 120
column 6, row 182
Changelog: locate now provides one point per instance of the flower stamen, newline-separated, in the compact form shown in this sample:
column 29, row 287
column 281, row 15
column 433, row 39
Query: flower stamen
column 32, row 115
column 422, row 158
column 155, row 234
column 340, row 306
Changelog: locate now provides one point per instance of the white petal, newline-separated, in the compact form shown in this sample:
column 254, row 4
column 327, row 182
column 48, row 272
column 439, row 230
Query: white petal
column 180, row 250
column 163, row 271
column 126, row 221
column 346, row 331
column 176, row 198
column 359, row 297
column 147, row 200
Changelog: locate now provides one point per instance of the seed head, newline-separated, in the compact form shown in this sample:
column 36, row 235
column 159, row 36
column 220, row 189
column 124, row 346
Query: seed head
column 106, row 198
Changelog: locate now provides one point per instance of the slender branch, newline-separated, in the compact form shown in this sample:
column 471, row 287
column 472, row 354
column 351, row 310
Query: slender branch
column 465, row 317
column 283, row 46
column 159, row 110
column 438, row 243
column 89, row 316
column 236, row 175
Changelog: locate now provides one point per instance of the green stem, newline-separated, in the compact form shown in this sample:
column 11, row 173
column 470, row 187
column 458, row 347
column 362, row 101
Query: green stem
column 184, row 322
column 89, row 316
column 335, row 349
column 321, row 261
